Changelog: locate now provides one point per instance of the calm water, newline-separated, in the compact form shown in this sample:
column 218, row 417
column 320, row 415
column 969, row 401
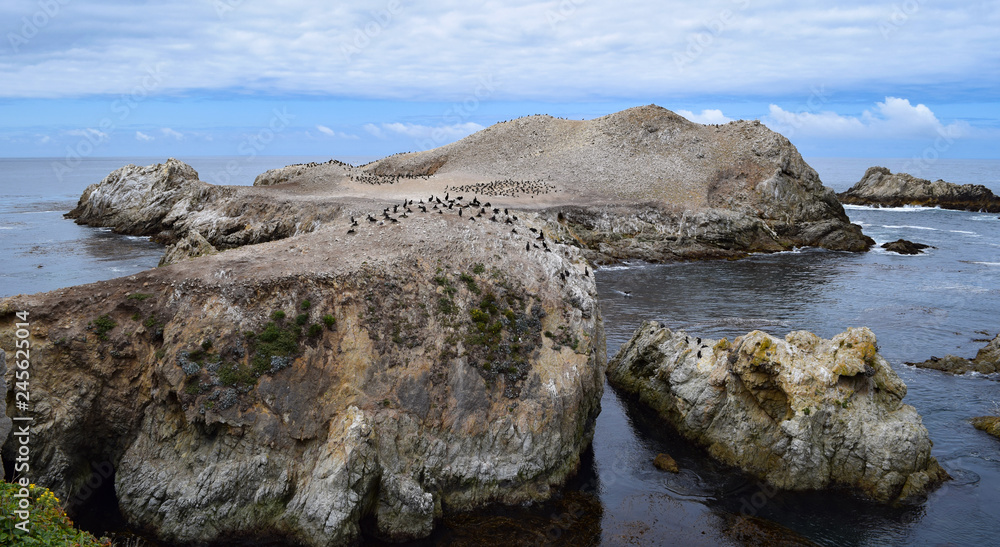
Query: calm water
column 946, row 301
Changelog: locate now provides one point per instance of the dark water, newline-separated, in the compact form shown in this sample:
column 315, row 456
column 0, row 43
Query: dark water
column 946, row 301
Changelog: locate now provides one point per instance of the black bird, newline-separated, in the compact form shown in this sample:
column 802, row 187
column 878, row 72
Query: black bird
column 527, row 246
column 541, row 236
column 393, row 220
column 459, row 211
column 473, row 219
column 371, row 218
column 505, row 211
column 395, row 209
column 628, row 294
column 699, row 354
column 586, row 272
column 698, row 342
column 509, row 221
column 351, row 231
column 534, row 231
column 513, row 230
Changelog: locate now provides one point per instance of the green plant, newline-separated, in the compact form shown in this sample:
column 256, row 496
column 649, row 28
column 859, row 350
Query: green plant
column 301, row 319
column 329, row 321
column 139, row 296
column 306, row 304
column 315, row 330
column 478, row 268
column 48, row 525
column 278, row 315
column 160, row 354
column 470, row 282
column 806, row 411
column 206, row 344
column 136, row 316
column 103, row 325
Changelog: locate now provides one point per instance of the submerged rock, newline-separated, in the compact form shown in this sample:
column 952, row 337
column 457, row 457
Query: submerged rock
column 989, row 424
column 905, row 247
column 881, row 187
column 986, row 361
column 664, row 462
column 290, row 389
column 801, row 413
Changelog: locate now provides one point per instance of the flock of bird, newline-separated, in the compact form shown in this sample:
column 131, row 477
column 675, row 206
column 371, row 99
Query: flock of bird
column 506, row 187
column 474, row 210
column 374, row 179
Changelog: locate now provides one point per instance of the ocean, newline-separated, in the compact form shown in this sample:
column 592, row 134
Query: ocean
column 945, row 301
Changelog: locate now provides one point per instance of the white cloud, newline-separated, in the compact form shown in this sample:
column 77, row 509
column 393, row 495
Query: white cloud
column 326, row 130
column 707, row 116
column 45, row 139
column 534, row 50
column 893, row 119
column 167, row 132
column 374, row 130
column 439, row 132
column 88, row 133
column 140, row 136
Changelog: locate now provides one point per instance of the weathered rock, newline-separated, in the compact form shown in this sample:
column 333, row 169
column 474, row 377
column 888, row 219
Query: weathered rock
column 403, row 384
column 989, row 424
column 905, row 247
column 169, row 203
column 986, row 361
column 647, row 183
column 882, row 188
column 664, row 462
column 5, row 422
column 192, row 245
column 801, row 413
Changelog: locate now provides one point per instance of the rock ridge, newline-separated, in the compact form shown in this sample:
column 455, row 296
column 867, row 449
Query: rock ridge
column 882, row 188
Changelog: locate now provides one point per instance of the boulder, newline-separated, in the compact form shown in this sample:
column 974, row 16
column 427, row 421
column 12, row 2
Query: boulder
column 905, row 247
column 986, row 361
column 882, row 188
column 190, row 246
column 800, row 413
column 664, row 462
column 288, row 390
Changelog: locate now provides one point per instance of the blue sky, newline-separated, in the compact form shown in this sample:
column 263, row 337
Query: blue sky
column 908, row 78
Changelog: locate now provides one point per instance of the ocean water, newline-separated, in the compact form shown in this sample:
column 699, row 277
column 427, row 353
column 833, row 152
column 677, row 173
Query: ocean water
column 945, row 301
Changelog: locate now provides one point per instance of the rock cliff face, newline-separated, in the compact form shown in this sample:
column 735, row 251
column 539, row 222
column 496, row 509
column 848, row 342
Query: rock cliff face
column 986, row 361
column 6, row 424
column 290, row 389
column 881, row 187
column 800, row 413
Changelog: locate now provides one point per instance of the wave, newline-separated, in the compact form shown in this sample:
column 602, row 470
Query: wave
column 903, row 209
column 985, row 263
column 963, row 232
column 904, row 226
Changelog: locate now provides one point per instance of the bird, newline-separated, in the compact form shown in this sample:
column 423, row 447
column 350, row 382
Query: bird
column 527, row 246
column 460, row 212
column 351, row 231
column 628, row 294
column 513, row 230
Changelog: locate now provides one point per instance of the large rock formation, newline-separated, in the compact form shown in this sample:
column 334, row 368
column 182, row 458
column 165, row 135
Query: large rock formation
column 288, row 390
column 647, row 183
column 882, row 188
column 167, row 202
column 800, row 413
column 986, row 361
column 644, row 183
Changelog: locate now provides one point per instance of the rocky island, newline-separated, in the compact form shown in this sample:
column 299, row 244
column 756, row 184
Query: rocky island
column 882, row 188
column 986, row 361
column 393, row 342
column 801, row 413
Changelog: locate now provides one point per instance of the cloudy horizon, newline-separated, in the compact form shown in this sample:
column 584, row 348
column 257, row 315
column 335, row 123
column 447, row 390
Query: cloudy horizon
column 233, row 77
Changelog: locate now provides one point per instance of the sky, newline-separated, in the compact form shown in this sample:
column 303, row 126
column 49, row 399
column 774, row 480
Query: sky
column 103, row 78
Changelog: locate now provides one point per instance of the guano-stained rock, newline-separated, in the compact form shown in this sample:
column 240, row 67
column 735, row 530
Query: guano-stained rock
column 801, row 413
column 399, row 385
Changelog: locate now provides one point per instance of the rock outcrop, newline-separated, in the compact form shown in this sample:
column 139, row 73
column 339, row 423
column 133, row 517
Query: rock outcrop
column 989, row 424
column 168, row 203
column 801, row 413
column 986, row 361
column 905, row 247
column 647, row 183
column 882, row 188
column 290, row 389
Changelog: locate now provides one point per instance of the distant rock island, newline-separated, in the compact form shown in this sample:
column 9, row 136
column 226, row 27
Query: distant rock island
column 880, row 187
